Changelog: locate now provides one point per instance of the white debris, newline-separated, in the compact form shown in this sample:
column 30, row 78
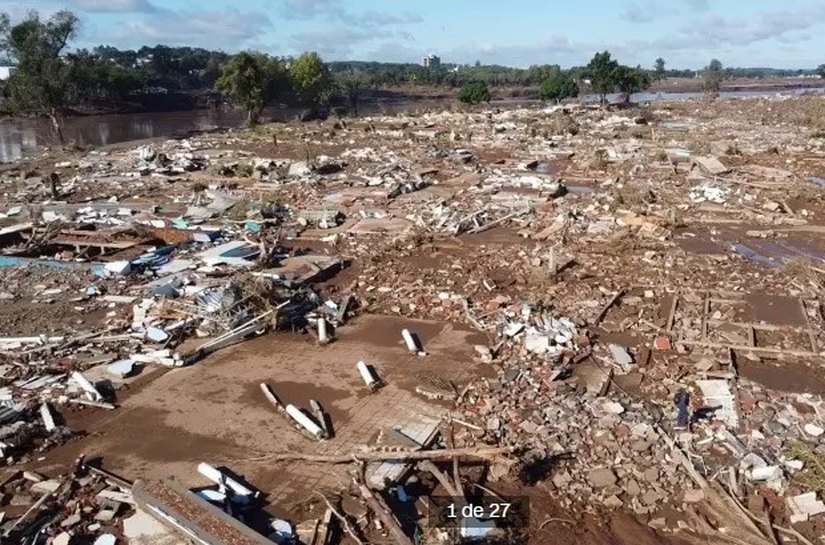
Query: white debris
column 709, row 193
column 813, row 430
column 804, row 506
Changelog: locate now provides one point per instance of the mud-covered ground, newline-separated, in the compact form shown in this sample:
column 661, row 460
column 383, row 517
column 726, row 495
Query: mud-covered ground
column 688, row 234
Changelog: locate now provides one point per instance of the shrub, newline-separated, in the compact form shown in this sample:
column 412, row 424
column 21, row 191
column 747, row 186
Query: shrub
column 474, row 93
column 558, row 87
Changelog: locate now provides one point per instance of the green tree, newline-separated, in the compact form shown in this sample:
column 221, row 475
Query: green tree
column 351, row 82
column 311, row 79
column 43, row 83
column 250, row 81
column 601, row 70
column 474, row 93
column 659, row 69
column 558, row 87
column 713, row 76
column 537, row 74
column 821, row 70
column 631, row 80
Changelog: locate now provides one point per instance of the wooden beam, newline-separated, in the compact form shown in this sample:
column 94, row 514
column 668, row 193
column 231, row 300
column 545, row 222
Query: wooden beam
column 745, row 348
column 705, row 313
column 481, row 453
column 671, row 317
column 811, row 333
column 603, row 312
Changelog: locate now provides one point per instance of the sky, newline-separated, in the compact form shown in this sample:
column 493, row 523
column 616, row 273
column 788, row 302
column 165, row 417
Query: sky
column 686, row 33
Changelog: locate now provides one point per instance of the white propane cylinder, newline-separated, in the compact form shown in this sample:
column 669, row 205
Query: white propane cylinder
column 366, row 374
column 412, row 346
column 305, row 422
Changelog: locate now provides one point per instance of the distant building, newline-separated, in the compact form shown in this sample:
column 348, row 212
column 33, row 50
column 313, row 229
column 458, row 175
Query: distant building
column 431, row 61
column 5, row 72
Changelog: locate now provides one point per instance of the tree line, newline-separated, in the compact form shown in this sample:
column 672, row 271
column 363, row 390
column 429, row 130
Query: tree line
column 603, row 75
column 49, row 80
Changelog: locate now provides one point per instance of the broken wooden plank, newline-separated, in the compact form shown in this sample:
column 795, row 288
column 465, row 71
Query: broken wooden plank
column 671, row 316
column 746, row 348
column 606, row 308
column 478, row 453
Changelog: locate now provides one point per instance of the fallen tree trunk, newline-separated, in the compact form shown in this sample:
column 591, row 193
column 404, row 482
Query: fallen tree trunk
column 427, row 465
column 442, row 454
column 377, row 506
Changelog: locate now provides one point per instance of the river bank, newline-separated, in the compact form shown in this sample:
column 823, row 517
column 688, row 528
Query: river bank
column 24, row 137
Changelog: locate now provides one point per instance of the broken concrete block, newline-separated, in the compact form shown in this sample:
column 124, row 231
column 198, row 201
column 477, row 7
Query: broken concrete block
column 143, row 525
column 813, row 430
column 70, row 521
column 613, row 502
column 156, row 334
column 118, row 267
column 121, row 368
column 47, row 486
column 602, row 477
column 620, row 355
column 804, row 506
column 299, row 168
column 611, row 407
column 693, row 495
column 711, row 165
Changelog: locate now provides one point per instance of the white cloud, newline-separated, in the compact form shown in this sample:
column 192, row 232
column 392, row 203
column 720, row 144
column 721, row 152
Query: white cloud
column 341, row 43
column 644, row 12
column 230, row 29
column 114, row 6
column 310, row 9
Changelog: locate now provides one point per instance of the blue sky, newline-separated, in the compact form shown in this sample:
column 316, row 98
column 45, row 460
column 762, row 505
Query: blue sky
column 686, row 33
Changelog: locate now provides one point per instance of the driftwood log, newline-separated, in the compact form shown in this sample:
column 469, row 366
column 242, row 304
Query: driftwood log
column 404, row 455
column 442, row 478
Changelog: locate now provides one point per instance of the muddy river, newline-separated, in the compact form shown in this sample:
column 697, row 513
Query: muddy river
column 23, row 137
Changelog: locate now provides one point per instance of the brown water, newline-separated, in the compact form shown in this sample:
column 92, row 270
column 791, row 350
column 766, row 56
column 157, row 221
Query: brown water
column 24, row 137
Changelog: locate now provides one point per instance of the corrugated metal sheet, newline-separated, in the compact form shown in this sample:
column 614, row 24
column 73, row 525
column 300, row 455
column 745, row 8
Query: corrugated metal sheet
column 7, row 414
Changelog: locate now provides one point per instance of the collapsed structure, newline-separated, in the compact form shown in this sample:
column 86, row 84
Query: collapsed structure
column 601, row 311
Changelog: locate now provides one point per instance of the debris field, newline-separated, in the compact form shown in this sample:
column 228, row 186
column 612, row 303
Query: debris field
column 303, row 332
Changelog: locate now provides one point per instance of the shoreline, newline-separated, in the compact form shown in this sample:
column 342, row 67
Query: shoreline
column 404, row 94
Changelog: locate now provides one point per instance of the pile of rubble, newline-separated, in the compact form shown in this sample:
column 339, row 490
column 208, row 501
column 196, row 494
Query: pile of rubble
column 616, row 263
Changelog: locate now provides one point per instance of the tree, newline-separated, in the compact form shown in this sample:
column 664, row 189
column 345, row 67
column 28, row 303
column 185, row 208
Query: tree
column 350, row 82
column 558, row 87
column 821, row 70
column 474, row 93
column 251, row 80
column 311, row 79
column 43, row 83
column 631, row 80
column 713, row 76
column 659, row 69
column 601, row 71
column 537, row 74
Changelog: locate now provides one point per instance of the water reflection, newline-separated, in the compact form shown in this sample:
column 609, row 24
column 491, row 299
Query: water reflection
column 103, row 133
column 23, row 137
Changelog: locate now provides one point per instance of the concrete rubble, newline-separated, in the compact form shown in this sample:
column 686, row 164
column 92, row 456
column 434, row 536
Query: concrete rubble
column 617, row 267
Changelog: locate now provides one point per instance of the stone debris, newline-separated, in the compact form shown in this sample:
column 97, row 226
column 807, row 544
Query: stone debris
column 638, row 290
